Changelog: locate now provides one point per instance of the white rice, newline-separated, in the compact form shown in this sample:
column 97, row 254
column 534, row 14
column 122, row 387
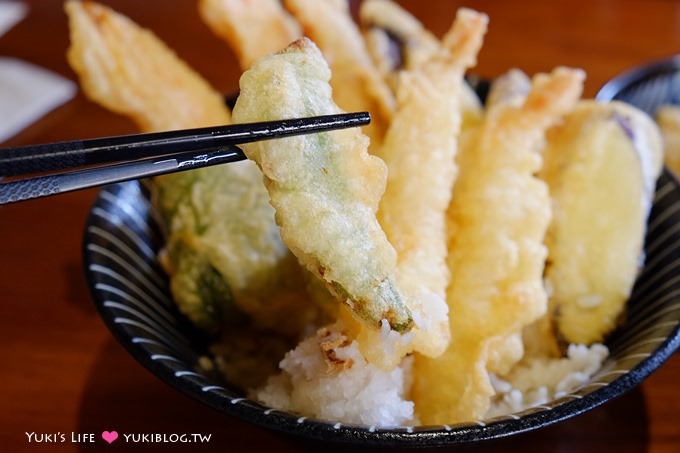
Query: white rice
column 539, row 381
column 326, row 377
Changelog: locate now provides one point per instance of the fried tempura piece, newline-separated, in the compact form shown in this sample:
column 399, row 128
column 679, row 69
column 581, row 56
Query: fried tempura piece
column 357, row 85
column 394, row 38
column 223, row 242
column 251, row 30
column 601, row 166
column 397, row 41
column 510, row 88
column 499, row 214
column 419, row 150
column 668, row 118
column 115, row 59
column 325, row 187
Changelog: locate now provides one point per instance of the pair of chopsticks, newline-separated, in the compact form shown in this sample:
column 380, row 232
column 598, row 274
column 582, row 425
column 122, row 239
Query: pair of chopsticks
column 121, row 158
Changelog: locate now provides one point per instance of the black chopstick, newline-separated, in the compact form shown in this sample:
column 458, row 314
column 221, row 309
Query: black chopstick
column 73, row 154
column 122, row 158
column 43, row 186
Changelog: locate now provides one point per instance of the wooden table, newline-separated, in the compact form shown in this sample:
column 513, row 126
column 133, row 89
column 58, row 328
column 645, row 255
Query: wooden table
column 62, row 371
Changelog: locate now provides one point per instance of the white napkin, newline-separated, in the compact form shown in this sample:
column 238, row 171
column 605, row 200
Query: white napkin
column 10, row 14
column 27, row 92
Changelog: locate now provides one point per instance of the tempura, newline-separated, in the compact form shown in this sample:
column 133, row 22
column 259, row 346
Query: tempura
column 223, row 246
column 668, row 118
column 394, row 38
column 397, row 42
column 357, row 85
column 250, row 32
column 435, row 280
column 420, row 157
column 611, row 155
column 499, row 215
column 325, row 187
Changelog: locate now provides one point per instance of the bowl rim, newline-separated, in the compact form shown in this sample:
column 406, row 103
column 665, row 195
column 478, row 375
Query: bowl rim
column 613, row 87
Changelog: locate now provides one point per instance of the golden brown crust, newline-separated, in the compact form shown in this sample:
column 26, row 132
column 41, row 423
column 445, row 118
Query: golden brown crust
column 357, row 85
column 499, row 215
column 251, row 32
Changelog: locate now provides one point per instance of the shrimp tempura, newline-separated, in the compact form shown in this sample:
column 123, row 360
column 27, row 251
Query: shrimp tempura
column 498, row 218
column 419, row 150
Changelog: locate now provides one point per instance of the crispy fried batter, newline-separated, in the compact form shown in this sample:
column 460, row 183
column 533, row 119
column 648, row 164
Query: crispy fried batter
column 225, row 250
column 357, row 85
column 510, row 88
column 397, row 42
column 251, row 32
column 668, row 118
column 325, row 187
column 499, row 214
column 420, row 157
column 115, row 58
column 223, row 241
column 610, row 155
column 394, row 38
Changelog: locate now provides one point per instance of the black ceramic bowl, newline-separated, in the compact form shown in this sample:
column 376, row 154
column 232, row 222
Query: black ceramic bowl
column 131, row 293
column 647, row 86
column 122, row 237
